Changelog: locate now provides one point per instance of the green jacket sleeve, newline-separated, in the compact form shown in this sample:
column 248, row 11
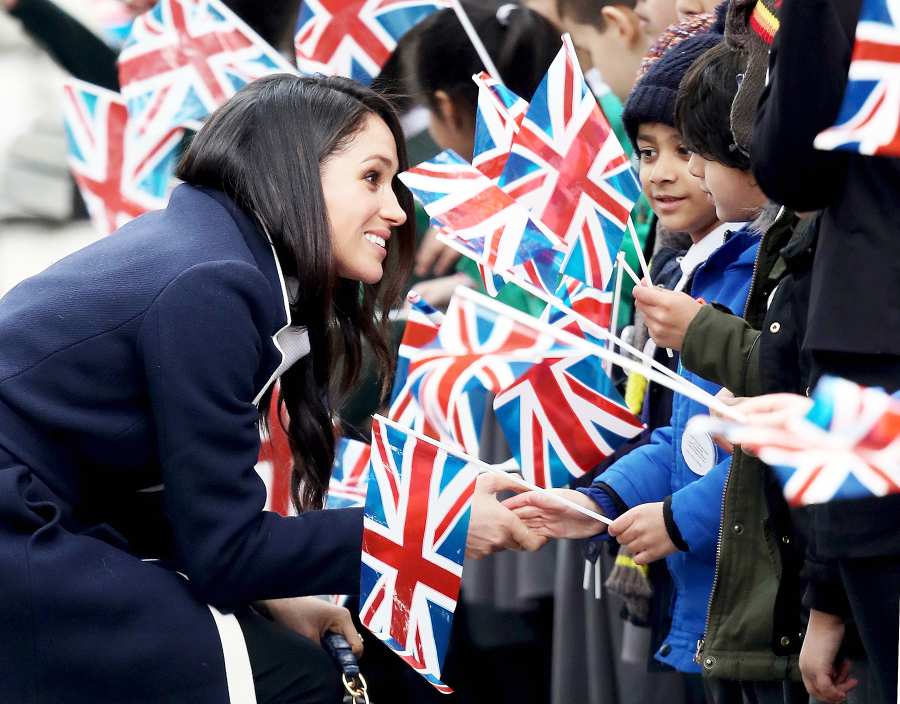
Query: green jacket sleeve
column 724, row 349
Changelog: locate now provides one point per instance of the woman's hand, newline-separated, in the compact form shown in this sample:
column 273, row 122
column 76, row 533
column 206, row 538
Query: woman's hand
column 437, row 292
column 553, row 519
column 434, row 257
column 642, row 530
column 774, row 409
column 729, row 399
column 667, row 314
column 493, row 527
column 312, row 618
column 822, row 677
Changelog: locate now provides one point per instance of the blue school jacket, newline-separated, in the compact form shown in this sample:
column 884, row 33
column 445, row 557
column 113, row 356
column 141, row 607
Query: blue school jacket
column 131, row 517
column 659, row 470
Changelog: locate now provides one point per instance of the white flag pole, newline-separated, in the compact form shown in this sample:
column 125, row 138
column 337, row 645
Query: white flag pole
column 628, row 270
column 683, row 386
column 640, row 251
column 476, row 40
column 617, row 300
column 644, row 268
column 494, row 469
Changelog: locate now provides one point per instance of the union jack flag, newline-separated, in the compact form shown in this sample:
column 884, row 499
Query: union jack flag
column 421, row 329
column 869, row 119
column 498, row 117
column 414, row 537
column 95, row 122
column 350, row 474
column 474, row 353
column 184, row 58
column 847, row 446
column 567, row 165
column 586, row 301
column 562, row 418
column 485, row 223
column 354, row 38
column 276, row 461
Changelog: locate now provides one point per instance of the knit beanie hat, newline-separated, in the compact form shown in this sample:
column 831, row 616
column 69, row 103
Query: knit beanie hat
column 653, row 98
column 750, row 27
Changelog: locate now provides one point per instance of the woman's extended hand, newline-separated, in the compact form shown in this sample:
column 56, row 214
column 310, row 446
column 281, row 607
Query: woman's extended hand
column 667, row 314
column 434, row 257
column 553, row 519
column 822, row 677
column 438, row 292
column 493, row 527
column 312, row 618
column 774, row 409
column 642, row 530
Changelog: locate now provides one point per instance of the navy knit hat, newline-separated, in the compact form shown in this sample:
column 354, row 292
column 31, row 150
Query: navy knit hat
column 653, row 98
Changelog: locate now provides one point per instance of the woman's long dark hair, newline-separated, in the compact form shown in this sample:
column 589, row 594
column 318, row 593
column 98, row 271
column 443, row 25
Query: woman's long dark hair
column 265, row 148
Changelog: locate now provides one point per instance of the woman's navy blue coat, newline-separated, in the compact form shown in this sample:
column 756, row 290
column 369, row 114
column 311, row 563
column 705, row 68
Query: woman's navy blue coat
column 129, row 374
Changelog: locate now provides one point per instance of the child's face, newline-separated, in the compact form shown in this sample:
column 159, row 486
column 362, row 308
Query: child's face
column 674, row 195
column 616, row 50
column 733, row 192
column 655, row 15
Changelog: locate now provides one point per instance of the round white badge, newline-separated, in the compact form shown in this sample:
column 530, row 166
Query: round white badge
column 699, row 451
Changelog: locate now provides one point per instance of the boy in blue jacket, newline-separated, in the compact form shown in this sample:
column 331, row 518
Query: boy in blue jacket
column 666, row 496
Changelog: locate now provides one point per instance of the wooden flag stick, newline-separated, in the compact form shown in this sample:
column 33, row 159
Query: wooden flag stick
column 682, row 386
column 494, row 469
column 476, row 40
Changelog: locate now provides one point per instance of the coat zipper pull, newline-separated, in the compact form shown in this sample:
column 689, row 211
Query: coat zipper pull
column 699, row 651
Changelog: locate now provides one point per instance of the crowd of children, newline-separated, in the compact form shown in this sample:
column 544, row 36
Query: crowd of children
column 763, row 596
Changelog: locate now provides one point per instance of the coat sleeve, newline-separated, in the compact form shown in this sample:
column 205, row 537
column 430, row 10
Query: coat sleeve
column 722, row 348
column 645, row 474
column 201, row 346
column 697, row 511
column 802, row 99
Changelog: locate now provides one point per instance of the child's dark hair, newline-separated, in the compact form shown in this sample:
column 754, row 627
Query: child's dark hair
column 588, row 11
column 522, row 45
column 703, row 106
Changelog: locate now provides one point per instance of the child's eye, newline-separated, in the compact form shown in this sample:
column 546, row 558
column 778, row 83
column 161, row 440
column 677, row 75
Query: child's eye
column 647, row 154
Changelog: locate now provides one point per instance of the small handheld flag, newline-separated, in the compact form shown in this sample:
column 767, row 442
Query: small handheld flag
column 869, row 119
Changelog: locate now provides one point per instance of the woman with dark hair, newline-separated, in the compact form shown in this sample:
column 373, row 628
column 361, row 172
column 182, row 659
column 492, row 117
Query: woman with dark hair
column 133, row 540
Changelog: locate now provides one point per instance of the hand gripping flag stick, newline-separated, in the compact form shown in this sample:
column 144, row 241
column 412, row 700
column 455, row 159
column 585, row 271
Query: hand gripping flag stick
column 494, row 469
column 679, row 385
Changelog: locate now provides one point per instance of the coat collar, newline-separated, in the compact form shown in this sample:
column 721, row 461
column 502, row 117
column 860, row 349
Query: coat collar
column 260, row 245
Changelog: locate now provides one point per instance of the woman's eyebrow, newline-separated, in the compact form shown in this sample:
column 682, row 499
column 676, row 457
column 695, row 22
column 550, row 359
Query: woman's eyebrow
column 383, row 159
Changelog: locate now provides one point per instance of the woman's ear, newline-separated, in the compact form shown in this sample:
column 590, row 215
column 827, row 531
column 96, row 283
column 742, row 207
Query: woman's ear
column 623, row 22
column 446, row 109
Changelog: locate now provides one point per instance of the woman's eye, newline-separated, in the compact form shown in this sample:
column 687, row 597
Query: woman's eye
column 373, row 177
